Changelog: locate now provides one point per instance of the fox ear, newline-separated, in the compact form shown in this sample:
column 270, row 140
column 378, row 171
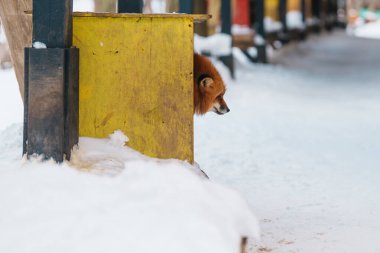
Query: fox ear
column 206, row 82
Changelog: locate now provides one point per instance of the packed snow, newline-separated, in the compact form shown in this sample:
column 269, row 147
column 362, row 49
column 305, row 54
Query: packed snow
column 302, row 139
column 217, row 45
column 271, row 25
column 294, row 20
column 369, row 30
column 110, row 198
column 39, row 45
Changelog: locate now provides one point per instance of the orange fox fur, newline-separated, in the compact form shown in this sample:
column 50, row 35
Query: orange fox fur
column 209, row 88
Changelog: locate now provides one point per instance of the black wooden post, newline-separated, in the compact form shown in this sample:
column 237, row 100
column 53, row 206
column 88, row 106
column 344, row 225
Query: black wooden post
column 283, row 36
column 303, row 13
column 316, row 10
column 329, row 15
column 260, row 40
column 130, row 6
column 51, row 83
column 228, row 60
column 186, row 6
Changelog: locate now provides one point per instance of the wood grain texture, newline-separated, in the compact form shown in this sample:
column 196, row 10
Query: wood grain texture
column 136, row 76
column 71, row 99
column 18, row 29
column 45, row 123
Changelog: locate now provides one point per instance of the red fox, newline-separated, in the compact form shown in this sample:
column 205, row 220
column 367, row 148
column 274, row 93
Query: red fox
column 209, row 88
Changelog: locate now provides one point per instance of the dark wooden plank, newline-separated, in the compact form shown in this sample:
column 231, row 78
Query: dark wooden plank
column 71, row 100
column 130, row 6
column 282, row 14
column 52, row 22
column 46, row 103
column 26, row 100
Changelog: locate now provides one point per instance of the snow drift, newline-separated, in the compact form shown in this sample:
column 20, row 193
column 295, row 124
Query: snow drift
column 110, row 198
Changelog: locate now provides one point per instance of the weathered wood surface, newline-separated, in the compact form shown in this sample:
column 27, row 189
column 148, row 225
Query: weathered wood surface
column 18, row 29
column 52, row 23
column 51, row 115
column 136, row 76
column 195, row 17
column 45, row 112
column 71, row 100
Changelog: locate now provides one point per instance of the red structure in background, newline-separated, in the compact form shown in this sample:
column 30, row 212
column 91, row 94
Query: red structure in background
column 241, row 13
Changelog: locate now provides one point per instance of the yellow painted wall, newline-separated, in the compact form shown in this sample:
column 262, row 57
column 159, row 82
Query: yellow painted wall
column 294, row 5
column 136, row 76
column 272, row 9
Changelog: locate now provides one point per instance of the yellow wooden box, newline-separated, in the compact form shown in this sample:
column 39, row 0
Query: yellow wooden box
column 136, row 75
column 272, row 9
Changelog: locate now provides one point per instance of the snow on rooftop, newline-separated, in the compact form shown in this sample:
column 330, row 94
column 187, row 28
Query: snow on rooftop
column 217, row 45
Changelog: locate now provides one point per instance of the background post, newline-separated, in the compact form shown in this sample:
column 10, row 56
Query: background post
column 130, row 6
column 303, row 13
column 228, row 60
column 316, row 10
column 260, row 40
column 284, row 36
column 186, row 6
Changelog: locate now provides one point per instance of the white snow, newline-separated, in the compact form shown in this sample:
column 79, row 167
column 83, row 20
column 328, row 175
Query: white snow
column 241, row 30
column 39, row 45
column 11, row 107
column 271, row 25
column 111, row 198
column 294, row 20
column 83, row 5
column 303, row 142
column 259, row 40
column 3, row 39
column 217, row 45
column 369, row 30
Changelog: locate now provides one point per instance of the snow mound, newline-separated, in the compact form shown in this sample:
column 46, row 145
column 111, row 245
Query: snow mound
column 217, row 45
column 111, row 198
column 271, row 26
column 370, row 31
column 294, row 20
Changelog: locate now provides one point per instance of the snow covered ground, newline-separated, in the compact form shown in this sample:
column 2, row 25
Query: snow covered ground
column 301, row 143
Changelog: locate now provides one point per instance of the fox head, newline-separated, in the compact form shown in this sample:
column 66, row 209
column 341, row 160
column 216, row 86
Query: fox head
column 209, row 88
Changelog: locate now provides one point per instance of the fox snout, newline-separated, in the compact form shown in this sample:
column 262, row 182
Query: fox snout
column 220, row 107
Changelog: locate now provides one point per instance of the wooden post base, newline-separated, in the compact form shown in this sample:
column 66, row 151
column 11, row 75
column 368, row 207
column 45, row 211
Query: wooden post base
column 51, row 102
